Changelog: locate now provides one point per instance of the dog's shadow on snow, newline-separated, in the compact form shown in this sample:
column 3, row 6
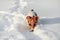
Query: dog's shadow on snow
column 46, row 21
column 49, row 21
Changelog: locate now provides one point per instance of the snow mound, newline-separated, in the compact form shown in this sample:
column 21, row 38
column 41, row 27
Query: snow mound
column 13, row 26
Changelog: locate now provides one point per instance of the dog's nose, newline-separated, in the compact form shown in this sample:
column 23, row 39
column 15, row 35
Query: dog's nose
column 31, row 30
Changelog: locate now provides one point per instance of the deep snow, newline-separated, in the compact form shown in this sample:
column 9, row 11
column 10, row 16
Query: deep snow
column 13, row 25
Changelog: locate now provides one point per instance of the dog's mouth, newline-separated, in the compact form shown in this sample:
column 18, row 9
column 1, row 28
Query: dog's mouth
column 31, row 29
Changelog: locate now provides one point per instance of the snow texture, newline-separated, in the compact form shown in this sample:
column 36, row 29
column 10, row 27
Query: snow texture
column 13, row 25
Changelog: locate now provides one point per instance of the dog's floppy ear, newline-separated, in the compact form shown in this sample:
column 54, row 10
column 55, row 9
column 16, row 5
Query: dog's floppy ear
column 35, row 17
column 28, row 17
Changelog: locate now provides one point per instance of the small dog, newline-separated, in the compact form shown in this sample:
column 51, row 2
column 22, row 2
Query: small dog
column 32, row 22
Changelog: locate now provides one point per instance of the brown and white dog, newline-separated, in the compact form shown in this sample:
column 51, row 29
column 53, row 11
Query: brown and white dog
column 32, row 22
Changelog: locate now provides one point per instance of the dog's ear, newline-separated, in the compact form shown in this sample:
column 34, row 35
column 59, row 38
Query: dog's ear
column 36, row 18
column 28, row 17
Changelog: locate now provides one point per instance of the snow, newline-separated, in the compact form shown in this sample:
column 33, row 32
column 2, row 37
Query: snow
column 13, row 25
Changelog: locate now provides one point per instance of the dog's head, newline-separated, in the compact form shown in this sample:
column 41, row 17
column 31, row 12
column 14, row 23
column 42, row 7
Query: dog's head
column 32, row 22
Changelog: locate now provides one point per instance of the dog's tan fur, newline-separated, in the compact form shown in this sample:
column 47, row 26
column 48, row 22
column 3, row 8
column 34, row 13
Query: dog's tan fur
column 32, row 21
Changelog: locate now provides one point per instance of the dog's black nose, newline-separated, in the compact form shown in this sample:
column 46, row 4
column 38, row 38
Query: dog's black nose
column 31, row 30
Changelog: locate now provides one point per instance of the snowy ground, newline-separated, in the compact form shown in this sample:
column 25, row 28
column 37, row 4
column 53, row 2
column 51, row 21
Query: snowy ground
column 13, row 25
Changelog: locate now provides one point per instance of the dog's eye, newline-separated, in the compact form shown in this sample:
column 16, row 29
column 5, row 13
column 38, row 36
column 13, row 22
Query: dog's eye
column 30, row 17
column 34, row 24
column 29, row 24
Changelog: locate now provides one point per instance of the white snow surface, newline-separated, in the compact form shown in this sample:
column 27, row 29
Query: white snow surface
column 13, row 25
